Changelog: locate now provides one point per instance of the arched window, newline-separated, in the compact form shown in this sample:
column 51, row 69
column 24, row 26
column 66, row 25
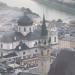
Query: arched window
column 30, row 29
column 24, row 29
column 35, row 44
column 49, row 40
column 54, row 39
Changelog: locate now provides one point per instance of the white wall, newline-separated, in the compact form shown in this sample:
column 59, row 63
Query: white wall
column 30, row 44
column 28, row 52
column 53, row 40
column 21, row 29
column 9, row 46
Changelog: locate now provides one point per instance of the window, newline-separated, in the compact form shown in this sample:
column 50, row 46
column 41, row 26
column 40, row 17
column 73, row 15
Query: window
column 39, row 42
column 54, row 39
column 1, row 45
column 23, row 53
column 45, row 42
column 18, row 28
column 30, row 29
column 49, row 40
column 24, row 29
column 35, row 44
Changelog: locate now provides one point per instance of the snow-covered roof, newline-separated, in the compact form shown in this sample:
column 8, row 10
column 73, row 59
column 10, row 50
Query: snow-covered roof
column 25, row 21
column 9, row 37
column 36, row 35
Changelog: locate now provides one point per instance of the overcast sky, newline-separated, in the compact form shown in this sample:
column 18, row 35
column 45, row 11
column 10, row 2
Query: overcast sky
column 18, row 3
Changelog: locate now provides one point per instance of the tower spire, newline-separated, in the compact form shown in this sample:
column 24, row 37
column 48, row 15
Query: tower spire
column 44, row 29
column 44, row 20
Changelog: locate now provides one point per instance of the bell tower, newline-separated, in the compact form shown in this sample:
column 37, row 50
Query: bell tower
column 45, row 60
column 52, row 33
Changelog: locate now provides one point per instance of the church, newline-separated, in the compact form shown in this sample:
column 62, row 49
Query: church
column 29, row 33
column 29, row 45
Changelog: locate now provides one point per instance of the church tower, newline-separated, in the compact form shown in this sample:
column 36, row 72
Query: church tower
column 45, row 60
column 45, row 51
column 52, row 33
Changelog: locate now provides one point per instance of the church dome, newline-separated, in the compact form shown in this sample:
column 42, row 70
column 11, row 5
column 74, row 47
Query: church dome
column 25, row 21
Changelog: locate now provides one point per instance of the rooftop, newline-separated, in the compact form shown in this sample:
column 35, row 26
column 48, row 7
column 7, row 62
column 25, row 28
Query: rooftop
column 9, row 37
column 64, row 63
column 10, row 55
column 36, row 35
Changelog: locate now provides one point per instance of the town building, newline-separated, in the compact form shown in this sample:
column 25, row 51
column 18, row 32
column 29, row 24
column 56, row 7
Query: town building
column 28, row 33
column 30, row 46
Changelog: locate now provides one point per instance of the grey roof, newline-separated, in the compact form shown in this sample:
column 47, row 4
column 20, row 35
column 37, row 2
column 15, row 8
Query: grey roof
column 25, row 21
column 10, row 55
column 9, row 37
column 64, row 64
column 8, row 73
column 36, row 35
column 24, row 73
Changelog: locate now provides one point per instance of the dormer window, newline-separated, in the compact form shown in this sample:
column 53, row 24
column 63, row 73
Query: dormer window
column 24, row 29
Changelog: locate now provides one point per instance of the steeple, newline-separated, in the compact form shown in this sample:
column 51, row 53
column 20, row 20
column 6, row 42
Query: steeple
column 44, row 29
column 43, row 23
